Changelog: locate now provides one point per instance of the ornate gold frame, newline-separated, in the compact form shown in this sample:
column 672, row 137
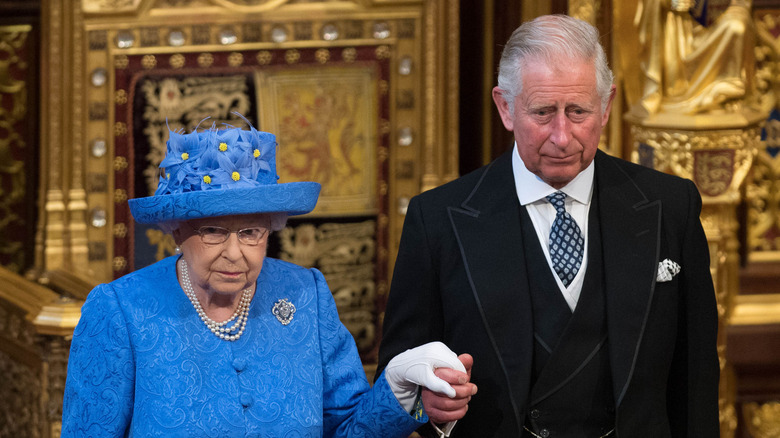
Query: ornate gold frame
column 349, row 178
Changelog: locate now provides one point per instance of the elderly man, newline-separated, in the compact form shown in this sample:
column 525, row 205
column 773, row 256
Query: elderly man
column 579, row 283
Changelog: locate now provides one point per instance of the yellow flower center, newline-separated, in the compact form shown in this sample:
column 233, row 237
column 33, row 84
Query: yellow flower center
column 236, row 176
column 223, row 146
column 256, row 153
column 184, row 156
column 207, row 179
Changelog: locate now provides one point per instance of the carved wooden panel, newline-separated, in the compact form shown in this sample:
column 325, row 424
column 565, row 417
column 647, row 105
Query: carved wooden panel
column 21, row 386
column 18, row 143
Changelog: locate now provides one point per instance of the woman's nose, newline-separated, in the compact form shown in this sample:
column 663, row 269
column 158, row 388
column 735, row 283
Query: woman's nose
column 232, row 247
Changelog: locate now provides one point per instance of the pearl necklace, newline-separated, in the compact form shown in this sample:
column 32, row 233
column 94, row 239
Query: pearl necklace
column 219, row 329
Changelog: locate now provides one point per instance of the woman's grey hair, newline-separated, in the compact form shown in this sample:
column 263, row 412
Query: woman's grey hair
column 278, row 222
column 553, row 39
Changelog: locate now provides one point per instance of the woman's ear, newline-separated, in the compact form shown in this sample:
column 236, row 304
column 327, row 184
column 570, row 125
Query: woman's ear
column 177, row 236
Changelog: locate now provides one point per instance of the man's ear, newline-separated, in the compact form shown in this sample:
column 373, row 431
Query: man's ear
column 608, row 109
column 503, row 108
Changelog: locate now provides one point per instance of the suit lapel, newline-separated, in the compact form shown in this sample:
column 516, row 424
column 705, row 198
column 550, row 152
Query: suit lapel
column 487, row 226
column 631, row 226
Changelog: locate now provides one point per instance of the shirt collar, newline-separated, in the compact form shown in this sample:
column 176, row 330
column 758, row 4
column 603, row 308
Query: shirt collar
column 530, row 188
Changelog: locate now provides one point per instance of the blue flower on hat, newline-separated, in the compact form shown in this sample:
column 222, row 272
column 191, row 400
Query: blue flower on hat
column 228, row 150
column 217, row 172
column 181, row 160
column 263, row 151
column 234, row 158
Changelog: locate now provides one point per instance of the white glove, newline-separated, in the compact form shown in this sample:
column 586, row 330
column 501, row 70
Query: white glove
column 415, row 367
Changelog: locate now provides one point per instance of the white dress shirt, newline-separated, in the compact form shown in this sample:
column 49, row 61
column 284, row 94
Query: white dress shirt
column 532, row 192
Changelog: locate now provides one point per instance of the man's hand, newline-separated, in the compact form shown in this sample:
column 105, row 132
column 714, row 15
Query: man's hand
column 442, row 408
column 415, row 368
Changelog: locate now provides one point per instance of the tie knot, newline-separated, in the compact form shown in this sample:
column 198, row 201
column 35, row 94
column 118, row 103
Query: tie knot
column 558, row 200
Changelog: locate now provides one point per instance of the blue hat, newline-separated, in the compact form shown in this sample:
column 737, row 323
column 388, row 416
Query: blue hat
column 220, row 173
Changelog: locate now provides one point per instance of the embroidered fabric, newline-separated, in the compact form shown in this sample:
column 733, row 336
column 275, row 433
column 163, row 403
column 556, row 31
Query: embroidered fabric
column 142, row 363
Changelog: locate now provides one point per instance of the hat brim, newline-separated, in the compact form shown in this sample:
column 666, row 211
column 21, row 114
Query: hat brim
column 293, row 198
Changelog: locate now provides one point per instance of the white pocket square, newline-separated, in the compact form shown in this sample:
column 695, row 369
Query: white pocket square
column 666, row 270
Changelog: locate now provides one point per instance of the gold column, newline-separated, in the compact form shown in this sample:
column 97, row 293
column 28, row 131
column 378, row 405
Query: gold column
column 440, row 162
column 716, row 152
column 62, row 231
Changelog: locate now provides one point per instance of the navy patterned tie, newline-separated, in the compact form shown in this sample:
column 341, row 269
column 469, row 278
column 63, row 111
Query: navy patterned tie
column 566, row 242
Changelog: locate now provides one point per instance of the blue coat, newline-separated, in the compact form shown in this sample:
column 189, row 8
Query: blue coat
column 142, row 363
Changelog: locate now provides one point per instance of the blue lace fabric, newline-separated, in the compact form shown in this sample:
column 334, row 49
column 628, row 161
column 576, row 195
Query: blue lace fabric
column 143, row 364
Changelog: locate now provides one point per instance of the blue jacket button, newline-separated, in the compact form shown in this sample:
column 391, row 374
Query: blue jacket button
column 239, row 364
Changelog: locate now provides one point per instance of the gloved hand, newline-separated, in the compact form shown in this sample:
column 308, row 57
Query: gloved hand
column 415, row 367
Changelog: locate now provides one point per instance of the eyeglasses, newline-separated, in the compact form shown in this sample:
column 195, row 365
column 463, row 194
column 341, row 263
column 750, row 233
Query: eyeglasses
column 216, row 235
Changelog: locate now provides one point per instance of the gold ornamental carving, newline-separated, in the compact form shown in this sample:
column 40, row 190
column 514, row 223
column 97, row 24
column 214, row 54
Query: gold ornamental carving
column 690, row 68
column 109, row 5
column 695, row 112
column 345, row 255
column 763, row 421
column 14, row 94
column 119, row 263
column 763, row 215
column 716, row 160
column 349, row 54
column 164, row 243
column 763, row 189
column 56, row 358
column 34, row 322
column 21, row 387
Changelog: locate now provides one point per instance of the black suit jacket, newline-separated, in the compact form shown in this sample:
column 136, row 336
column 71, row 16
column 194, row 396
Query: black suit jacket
column 459, row 278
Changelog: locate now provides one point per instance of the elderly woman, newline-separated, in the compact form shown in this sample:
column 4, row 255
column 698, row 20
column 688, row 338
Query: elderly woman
column 221, row 340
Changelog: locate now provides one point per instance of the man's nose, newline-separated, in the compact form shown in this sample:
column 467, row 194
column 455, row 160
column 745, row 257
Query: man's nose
column 561, row 130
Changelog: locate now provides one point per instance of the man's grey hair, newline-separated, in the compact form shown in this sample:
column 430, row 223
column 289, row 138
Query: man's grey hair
column 555, row 40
